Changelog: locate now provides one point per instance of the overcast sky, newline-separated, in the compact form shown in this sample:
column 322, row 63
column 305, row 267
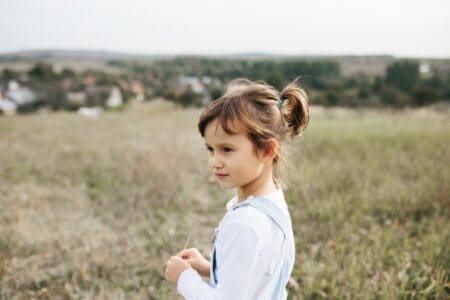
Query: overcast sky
column 402, row 28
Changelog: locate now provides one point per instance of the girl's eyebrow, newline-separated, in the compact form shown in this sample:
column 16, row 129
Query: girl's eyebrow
column 221, row 145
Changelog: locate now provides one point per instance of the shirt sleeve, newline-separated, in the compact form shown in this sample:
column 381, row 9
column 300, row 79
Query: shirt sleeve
column 239, row 271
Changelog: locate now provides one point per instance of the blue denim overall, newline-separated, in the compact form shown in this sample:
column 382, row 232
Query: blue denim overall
column 285, row 224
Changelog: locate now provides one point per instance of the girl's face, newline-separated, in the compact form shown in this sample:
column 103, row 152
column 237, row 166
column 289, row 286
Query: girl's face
column 232, row 157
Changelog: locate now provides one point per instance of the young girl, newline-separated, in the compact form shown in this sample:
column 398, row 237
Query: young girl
column 253, row 250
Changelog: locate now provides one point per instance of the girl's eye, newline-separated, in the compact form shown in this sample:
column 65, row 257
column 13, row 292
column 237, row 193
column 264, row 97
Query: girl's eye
column 209, row 149
column 226, row 149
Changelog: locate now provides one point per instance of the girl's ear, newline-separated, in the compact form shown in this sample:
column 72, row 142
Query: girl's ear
column 271, row 149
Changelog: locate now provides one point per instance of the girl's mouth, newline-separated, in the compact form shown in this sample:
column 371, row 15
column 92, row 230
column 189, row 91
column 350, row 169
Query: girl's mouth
column 220, row 175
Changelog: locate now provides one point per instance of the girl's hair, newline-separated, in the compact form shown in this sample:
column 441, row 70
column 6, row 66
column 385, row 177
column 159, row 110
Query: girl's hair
column 262, row 112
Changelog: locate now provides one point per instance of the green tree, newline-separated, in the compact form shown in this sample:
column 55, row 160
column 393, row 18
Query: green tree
column 42, row 72
column 393, row 96
column 189, row 98
column 424, row 95
column 67, row 73
column 276, row 80
column 403, row 75
column 215, row 92
column 8, row 74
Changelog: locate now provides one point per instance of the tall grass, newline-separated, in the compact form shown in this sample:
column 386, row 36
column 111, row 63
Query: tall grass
column 92, row 208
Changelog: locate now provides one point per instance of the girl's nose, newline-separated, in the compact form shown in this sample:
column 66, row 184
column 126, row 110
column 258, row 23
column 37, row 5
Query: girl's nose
column 215, row 162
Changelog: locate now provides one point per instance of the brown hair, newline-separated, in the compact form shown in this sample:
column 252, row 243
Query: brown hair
column 262, row 112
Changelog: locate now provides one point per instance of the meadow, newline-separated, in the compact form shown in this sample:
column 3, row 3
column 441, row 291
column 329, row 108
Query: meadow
column 92, row 208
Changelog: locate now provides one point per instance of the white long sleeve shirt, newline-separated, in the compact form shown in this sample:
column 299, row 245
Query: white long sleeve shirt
column 248, row 254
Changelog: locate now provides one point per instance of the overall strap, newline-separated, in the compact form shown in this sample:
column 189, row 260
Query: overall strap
column 274, row 212
column 213, row 268
column 213, row 264
column 284, row 222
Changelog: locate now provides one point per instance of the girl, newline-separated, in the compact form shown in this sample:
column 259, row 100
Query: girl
column 253, row 250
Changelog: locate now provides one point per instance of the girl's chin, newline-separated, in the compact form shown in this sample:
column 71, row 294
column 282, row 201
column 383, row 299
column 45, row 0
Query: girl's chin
column 226, row 185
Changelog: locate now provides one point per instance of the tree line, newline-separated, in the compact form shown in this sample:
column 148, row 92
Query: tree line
column 403, row 84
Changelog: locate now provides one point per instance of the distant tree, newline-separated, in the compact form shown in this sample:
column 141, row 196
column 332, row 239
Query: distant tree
column 319, row 99
column 377, row 84
column 215, row 92
column 403, row 75
column 424, row 95
column 445, row 95
column 393, row 96
column 440, row 84
column 42, row 72
column 351, row 99
column 316, row 83
column 67, row 73
column 189, row 98
column 351, row 82
column 8, row 74
column 361, row 83
column 334, row 95
column 437, row 82
column 115, row 63
column 96, row 96
column 364, row 91
column 51, row 94
column 106, row 79
column 276, row 80
column 139, row 68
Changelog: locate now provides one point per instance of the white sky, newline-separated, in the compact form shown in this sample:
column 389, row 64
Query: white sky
column 314, row 27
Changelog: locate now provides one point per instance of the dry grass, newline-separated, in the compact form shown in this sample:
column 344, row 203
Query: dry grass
column 91, row 209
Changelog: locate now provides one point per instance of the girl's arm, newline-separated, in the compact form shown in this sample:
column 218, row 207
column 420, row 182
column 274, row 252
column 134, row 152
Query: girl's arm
column 241, row 268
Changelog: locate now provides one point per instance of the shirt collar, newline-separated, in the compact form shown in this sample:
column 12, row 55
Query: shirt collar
column 277, row 197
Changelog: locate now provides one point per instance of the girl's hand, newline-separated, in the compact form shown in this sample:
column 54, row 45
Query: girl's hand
column 196, row 260
column 174, row 267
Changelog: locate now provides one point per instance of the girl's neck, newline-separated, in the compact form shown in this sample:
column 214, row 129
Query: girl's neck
column 262, row 185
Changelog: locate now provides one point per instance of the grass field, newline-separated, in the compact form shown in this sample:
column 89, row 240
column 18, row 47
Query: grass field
column 92, row 208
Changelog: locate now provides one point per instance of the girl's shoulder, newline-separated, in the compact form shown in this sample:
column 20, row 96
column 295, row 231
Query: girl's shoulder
column 245, row 214
column 249, row 215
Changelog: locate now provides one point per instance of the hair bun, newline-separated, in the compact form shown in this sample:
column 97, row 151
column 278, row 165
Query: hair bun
column 295, row 108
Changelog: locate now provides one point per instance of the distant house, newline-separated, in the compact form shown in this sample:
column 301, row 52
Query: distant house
column 195, row 85
column 138, row 89
column 77, row 98
column 89, row 79
column 90, row 112
column 115, row 98
column 96, row 95
column 21, row 96
column 206, row 80
column 191, row 82
column 134, row 89
column 425, row 70
column 15, row 96
column 7, row 107
column 13, row 85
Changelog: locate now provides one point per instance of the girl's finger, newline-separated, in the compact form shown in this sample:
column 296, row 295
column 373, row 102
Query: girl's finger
column 183, row 253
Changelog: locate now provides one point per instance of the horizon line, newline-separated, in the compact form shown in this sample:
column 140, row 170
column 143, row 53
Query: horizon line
column 199, row 53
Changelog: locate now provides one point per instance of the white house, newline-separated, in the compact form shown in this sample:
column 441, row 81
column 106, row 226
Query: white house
column 7, row 107
column 115, row 97
column 19, row 95
column 78, row 98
